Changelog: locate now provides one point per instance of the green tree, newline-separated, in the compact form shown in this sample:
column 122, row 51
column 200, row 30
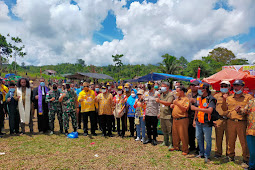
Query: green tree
column 223, row 55
column 5, row 49
column 18, row 51
column 241, row 61
column 183, row 63
column 81, row 62
column 213, row 66
column 118, row 63
column 192, row 69
column 169, row 64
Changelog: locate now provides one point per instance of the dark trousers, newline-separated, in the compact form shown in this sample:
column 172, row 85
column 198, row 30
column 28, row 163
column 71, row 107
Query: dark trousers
column 106, row 121
column 1, row 117
column 79, row 118
column 131, row 125
column 14, row 119
column 113, row 124
column 123, row 126
column 151, row 126
column 92, row 118
column 192, row 137
column 43, row 120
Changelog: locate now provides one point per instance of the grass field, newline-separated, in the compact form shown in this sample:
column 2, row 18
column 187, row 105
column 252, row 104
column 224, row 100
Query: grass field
column 41, row 151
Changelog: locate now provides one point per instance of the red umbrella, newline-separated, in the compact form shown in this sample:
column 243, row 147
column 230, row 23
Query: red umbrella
column 230, row 75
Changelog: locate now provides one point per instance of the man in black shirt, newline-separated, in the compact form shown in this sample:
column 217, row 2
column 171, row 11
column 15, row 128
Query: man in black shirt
column 193, row 100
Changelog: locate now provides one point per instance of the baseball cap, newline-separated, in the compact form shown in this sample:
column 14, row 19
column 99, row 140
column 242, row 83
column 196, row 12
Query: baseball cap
column 225, row 82
column 239, row 82
column 204, row 85
column 108, row 84
column 103, row 87
column 120, row 87
column 127, row 85
column 140, row 91
column 194, row 82
column 150, row 82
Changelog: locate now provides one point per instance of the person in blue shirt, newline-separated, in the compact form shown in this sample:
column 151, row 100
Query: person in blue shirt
column 131, row 110
column 78, row 90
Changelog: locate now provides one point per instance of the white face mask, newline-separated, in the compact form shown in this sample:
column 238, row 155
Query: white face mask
column 103, row 90
column 119, row 92
column 133, row 95
column 109, row 88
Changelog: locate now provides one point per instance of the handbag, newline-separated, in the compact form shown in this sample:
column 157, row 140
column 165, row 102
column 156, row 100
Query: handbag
column 117, row 110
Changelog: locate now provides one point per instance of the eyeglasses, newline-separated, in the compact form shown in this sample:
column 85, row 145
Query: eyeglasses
column 223, row 85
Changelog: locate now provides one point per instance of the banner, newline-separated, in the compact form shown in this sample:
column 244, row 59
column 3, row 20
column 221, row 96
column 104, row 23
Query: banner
column 250, row 69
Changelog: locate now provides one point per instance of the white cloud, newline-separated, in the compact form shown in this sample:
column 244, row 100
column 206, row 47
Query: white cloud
column 238, row 49
column 4, row 12
column 56, row 31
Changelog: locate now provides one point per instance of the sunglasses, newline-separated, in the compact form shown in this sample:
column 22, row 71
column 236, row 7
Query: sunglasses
column 223, row 85
column 86, row 86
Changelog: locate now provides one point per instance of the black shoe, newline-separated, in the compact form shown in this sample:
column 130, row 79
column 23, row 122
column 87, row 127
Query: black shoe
column 104, row 135
column 1, row 134
column 85, row 134
column 94, row 134
column 154, row 142
column 147, row 141
column 110, row 135
column 74, row 129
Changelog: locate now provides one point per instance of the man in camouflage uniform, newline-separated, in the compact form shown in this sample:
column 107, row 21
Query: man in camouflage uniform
column 69, row 107
column 52, row 98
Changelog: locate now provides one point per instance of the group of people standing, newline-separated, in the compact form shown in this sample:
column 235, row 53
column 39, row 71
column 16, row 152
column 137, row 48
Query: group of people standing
column 184, row 115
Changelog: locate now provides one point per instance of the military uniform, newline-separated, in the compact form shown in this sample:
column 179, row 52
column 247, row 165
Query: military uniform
column 68, row 108
column 54, row 108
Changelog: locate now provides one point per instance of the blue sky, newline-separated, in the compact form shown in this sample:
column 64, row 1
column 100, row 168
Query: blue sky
column 149, row 32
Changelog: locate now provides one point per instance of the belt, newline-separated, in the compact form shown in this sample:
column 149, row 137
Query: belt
column 237, row 120
column 180, row 118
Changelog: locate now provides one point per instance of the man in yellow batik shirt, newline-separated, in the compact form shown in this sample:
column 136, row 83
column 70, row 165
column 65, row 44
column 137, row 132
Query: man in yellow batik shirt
column 88, row 105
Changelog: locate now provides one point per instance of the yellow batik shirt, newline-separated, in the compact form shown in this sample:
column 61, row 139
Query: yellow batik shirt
column 89, row 103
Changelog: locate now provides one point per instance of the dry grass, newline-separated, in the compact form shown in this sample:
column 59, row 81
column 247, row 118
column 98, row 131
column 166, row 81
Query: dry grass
column 57, row 152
